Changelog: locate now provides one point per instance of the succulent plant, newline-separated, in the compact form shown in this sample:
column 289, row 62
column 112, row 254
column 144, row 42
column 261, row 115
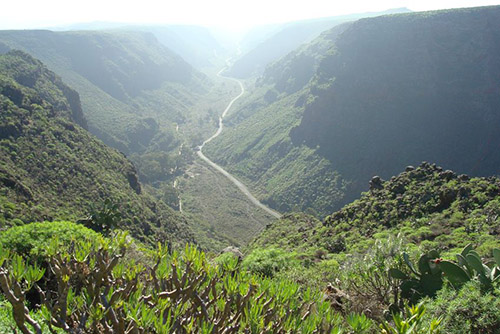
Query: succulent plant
column 101, row 290
column 470, row 266
column 413, row 322
column 423, row 280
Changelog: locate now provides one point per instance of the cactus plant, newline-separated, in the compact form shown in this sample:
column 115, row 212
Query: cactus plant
column 469, row 266
column 423, row 280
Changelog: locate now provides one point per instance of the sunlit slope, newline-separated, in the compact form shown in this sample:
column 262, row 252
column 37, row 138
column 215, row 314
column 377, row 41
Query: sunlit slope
column 51, row 168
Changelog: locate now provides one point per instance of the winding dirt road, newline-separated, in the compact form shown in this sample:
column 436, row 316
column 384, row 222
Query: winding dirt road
column 234, row 180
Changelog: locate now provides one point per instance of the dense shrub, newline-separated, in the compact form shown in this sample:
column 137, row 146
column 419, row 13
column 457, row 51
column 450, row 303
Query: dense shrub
column 269, row 261
column 101, row 291
column 34, row 239
column 467, row 310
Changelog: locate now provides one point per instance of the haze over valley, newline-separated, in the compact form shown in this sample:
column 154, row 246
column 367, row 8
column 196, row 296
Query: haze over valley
column 267, row 168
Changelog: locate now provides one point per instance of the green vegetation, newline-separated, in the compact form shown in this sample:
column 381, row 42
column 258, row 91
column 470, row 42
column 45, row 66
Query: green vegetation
column 135, row 93
column 133, row 89
column 379, row 251
column 426, row 205
column 142, row 99
column 178, row 292
column 219, row 214
column 418, row 253
column 255, row 147
column 269, row 261
column 467, row 310
column 53, row 169
column 33, row 240
column 413, row 324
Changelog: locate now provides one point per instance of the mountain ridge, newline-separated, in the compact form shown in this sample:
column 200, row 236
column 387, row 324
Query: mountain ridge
column 124, row 78
column 288, row 37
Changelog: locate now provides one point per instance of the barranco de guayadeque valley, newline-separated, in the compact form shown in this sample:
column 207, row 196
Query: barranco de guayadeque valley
column 250, row 167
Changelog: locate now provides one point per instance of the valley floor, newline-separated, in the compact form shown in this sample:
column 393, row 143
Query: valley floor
column 222, row 213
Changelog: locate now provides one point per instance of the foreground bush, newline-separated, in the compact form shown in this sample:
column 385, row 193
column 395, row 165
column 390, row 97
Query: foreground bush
column 468, row 310
column 101, row 291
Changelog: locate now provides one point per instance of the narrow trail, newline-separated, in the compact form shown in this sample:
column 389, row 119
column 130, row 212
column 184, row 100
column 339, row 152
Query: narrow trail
column 221, row 170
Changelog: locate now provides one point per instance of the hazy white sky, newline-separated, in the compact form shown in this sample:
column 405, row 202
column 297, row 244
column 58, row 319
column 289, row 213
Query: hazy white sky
column 19, row 14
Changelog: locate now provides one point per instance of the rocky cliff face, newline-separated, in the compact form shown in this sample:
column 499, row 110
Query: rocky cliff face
column 30, row 72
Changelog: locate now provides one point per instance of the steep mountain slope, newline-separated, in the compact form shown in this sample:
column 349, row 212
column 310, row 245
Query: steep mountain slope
column 286, row 39
column 52, row 168
column 406, row 88
column 133, row 88
column 368, row 98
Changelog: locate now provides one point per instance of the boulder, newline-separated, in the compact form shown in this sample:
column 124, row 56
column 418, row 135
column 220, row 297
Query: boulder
column 376, row 183
column 463, row 177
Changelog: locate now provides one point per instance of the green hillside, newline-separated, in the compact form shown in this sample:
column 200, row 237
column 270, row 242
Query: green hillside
column 426, row 205
column 51, row 168
column 425, row 215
